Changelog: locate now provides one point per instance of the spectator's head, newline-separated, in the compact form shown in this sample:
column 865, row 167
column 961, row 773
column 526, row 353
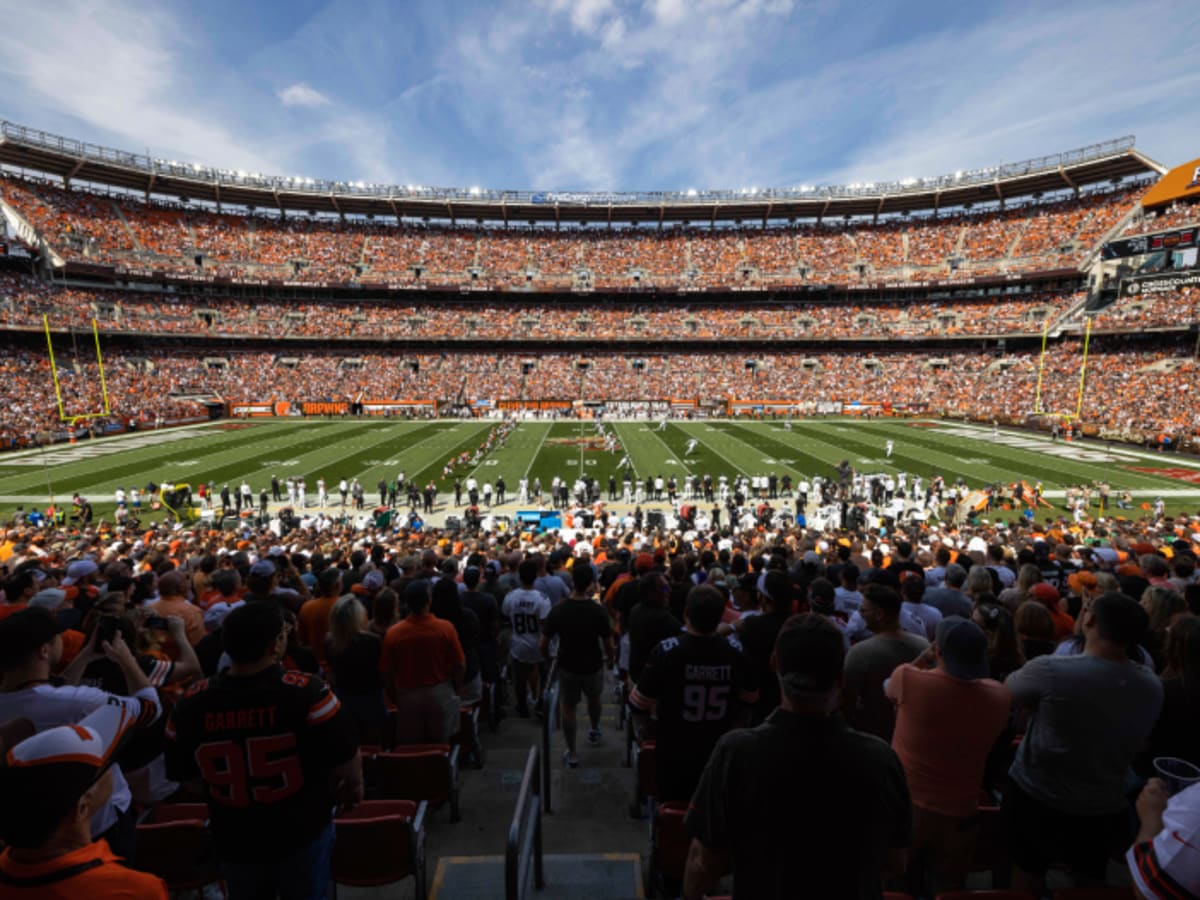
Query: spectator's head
column 329, row 583
column 962, row 649
column 821, row 594
column 979, row 581
column 346, row 619
column 956, row 575
column 417, row 596
column 776, row 590
column 880, row 607
column 471, row 576
column 527, row 572
column 172, row 584
column 227, row 582
column 255, row 633
column 446, row 603
column 1183, row 653
column 262, row 577
column 383, row 610
column 1116, row 620
column 809, row 657
column 849, row 576
column 1162, row 605
column 53, row 782
column 582, row 577
column 29, row 638
column 1033, row 621
column 912, row 587
column 704, row 609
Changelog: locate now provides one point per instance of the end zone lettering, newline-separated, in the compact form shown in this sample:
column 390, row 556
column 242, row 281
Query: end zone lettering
column 325, row 409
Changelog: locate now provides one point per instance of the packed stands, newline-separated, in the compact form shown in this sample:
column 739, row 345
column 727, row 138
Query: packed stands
column 24, row 300
column 119, row 230
column 1130, row 388
column 1178, row 215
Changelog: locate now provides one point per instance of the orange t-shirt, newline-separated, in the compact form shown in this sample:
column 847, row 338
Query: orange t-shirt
column 91, row 871
column 944, row 755
column 193, row 619
column 421, row 651
column 314, row 624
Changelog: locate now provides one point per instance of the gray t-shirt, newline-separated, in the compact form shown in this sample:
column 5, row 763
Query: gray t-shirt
column 868, row 665
column 1091, row 716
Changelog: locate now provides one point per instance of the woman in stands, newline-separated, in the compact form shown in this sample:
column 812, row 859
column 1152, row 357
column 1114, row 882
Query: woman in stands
column 352, row 652
column 447, row 605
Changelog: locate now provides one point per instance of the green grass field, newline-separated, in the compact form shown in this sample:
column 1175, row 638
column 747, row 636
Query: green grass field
column 227, row 452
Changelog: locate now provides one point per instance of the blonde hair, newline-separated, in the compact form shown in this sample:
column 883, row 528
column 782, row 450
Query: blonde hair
column 347, row 618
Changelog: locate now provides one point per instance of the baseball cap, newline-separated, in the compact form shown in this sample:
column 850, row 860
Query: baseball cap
column 44, row 775
column 809, row 654
column 264, row 568
column 1044, row 593
column 80, row 569
column 963, row 646
column 777, row 586
column 1081, row 581
column 373, row 581
column 48, row 598
column 644, row 563
column 25, row 631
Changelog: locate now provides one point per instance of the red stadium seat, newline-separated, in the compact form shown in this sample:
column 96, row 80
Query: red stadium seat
column 468, row 735
column 645, row 789
column 380, row 842
column 669, row 843
column 418, row 772
column 991, row 846
column 174, row 843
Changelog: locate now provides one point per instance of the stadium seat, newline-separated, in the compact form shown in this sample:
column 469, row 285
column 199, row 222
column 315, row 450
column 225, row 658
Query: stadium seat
column 669, row 842
column 418, row 772
column 645, row 788
column 173, row 842
column 1095, row 893
column 468, row 735
column 985, row 895
column 380, row 842
column 991, row 846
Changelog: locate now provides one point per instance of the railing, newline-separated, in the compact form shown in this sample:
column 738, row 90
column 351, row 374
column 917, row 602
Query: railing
column 525, row 835
column 549, row 725
column 319, row 187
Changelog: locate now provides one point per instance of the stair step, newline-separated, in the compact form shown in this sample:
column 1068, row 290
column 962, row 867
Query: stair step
column 570, row 876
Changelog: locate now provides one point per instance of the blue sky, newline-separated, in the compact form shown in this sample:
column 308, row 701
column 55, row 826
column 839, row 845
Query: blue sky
column 605, row 94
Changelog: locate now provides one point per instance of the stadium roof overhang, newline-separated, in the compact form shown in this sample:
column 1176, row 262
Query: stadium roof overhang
column 71, row 160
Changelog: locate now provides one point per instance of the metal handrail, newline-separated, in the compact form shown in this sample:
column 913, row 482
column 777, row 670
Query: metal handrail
column 525, row 834
column 549, row 724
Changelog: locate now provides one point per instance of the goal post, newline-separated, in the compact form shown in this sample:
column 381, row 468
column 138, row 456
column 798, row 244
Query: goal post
column 62, row 415
column 1037, row 397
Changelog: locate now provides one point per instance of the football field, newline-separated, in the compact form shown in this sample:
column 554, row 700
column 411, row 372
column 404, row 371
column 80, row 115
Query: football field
column 231, row 451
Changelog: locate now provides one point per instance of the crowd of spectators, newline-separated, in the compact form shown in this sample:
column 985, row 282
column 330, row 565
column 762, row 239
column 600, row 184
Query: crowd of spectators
column 1179, row 308
column 122, row 231
column 24, row 300
column 1068, row 652
column 1177, row 215
column 1130, row 389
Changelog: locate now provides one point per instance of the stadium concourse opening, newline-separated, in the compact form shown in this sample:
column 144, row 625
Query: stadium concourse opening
column 520, row 505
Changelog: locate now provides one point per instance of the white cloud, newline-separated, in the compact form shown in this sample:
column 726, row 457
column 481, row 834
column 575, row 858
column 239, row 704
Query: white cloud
column 118, row 68
column 300, row 94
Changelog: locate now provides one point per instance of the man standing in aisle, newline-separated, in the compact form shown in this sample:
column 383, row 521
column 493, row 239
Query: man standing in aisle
column 585, row 646
column 526, row 610
column 696, row 686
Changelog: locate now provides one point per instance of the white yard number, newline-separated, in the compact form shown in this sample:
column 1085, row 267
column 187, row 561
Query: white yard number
column 491, row 462
column 702, row 703
column 589, row 462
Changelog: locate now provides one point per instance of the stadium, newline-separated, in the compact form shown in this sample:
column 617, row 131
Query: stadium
column 206, row 370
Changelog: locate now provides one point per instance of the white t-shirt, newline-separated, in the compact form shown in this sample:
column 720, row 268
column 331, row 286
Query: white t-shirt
column 48, row 706
column 526, row 610
column 1170, row 864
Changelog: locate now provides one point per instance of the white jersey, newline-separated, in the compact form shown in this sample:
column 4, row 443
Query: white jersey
column 526, row 610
